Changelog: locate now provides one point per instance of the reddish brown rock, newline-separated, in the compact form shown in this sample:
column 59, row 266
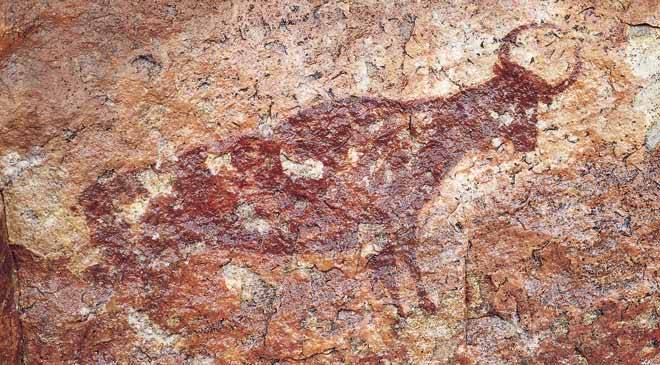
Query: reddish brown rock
column 329, row 183
column 10, row 341
column 579, row 283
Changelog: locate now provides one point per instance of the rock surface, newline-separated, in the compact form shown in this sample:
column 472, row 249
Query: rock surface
column 330, row 182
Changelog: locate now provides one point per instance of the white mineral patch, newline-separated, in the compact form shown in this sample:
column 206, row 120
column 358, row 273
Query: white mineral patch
column 642, row 52
column 643, row 57
column 201, row 360
column 375, row 126
column 353, row 156
column 156, row 183
column 372, row 239
column 647, row 102
column 134, row 211
column 361, row 76
column 219, row 163
column 250, row 220
column 149, row 331
column 653, row 136
column 13, row 164
column 308, row 169
column 243, row 282
column 504, row 119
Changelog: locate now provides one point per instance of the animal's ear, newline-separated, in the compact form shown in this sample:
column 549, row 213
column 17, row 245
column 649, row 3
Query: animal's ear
column 545, row 50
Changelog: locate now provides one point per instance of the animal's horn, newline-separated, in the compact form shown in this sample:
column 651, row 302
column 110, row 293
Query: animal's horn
column 504, row 54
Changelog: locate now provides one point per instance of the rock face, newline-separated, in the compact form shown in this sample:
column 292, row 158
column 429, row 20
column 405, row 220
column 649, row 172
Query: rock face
column 9, row 319
column 341, row 182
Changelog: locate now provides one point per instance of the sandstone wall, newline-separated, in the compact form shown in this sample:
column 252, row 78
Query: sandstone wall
column 328, row 182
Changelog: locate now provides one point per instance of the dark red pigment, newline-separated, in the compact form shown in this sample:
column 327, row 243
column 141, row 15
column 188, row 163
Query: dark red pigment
column 402, row 157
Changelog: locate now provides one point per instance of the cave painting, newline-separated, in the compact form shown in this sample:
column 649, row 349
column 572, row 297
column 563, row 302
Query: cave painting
column 323, row 180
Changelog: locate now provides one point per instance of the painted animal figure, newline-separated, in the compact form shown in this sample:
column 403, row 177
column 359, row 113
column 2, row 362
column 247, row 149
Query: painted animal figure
column 325, row 177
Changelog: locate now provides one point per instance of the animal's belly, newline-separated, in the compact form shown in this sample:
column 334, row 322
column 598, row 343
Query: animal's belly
column 278, row 222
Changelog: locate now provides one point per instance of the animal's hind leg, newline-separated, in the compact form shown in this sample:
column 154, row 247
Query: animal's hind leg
column 410, row 259
column 385, row 264
column 384, row 271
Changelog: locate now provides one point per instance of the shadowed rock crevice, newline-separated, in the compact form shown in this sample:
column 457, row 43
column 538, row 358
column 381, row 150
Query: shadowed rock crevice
column 11, row 339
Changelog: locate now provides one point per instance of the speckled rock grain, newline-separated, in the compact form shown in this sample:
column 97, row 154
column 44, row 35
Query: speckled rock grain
column 341, row 182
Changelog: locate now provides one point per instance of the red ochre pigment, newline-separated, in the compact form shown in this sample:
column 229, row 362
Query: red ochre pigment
column 381, row 158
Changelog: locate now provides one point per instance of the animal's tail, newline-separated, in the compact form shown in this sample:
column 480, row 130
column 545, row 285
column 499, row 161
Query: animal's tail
column 504, row 54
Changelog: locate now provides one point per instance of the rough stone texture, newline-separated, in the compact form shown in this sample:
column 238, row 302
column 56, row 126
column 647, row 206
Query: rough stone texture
column 9, row 318
column 199, row 182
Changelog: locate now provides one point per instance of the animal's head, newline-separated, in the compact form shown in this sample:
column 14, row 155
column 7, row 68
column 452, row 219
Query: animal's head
column 536, row 62
column 542, row 52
